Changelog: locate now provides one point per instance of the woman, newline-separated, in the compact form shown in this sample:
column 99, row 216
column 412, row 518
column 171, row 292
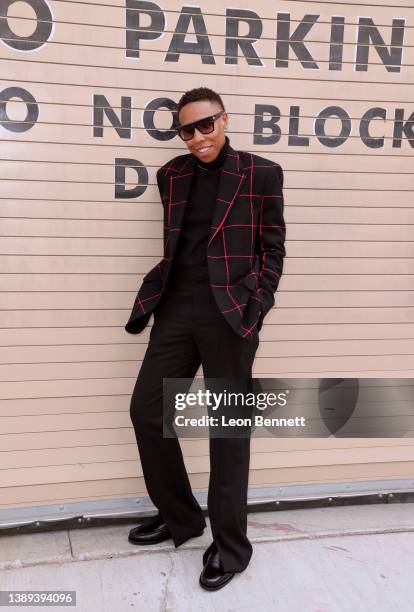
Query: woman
column 224, row 236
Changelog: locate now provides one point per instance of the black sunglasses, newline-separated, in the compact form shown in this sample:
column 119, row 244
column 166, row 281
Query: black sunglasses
column 205, row 126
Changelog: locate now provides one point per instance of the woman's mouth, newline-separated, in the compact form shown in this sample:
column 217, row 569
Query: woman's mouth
column 204, row 150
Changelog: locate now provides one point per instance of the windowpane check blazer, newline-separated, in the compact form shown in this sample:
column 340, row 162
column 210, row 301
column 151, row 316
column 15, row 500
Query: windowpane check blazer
column 245, row 249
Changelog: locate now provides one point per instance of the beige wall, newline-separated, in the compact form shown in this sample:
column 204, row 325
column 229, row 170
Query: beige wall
column 73, row 252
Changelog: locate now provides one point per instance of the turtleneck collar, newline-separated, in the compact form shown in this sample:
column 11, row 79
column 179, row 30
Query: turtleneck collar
column 218, row 161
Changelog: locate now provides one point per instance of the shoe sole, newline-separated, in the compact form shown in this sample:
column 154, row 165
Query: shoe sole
column 163, row 539
column 215, row 588
column 154, row 541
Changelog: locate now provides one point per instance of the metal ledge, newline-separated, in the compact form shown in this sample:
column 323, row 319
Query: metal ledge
column 79, row 515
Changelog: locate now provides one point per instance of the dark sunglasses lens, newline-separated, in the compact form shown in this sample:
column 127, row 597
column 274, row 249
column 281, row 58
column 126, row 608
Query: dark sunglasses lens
column 186, row 133
column 206, row 126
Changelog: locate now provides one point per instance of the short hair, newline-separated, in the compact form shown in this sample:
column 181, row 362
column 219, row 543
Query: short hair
column 199, row 93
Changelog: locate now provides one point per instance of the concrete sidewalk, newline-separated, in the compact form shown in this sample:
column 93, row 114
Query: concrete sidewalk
column 357, row 558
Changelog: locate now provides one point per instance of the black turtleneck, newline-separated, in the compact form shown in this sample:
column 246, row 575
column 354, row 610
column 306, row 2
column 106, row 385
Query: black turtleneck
column 191, row 253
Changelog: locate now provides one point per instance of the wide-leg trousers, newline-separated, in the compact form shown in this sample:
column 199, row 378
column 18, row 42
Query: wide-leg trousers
column 189, row 330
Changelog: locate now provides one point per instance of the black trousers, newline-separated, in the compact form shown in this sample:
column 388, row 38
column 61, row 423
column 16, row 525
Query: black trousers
column 189, row 330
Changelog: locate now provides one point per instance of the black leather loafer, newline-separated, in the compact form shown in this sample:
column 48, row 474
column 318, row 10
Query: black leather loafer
column 150, row 531
column 213, row 576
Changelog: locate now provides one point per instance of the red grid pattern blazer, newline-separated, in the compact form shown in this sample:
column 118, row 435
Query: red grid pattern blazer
column 245, row 249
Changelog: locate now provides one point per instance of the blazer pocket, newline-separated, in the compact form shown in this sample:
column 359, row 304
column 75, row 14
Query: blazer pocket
column 251, row 279
column 250, row 282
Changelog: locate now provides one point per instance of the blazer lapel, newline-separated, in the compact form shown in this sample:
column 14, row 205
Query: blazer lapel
column 231, row 179
column 176, row 201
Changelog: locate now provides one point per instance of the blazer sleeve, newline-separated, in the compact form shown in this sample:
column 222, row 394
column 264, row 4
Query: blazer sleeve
column 272, row 233
column 161, row 189
column 159, row 183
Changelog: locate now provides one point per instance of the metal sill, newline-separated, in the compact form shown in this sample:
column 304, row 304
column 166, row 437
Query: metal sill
column 83, row 514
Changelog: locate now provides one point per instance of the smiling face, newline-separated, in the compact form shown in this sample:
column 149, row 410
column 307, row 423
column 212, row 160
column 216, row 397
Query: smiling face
column 205, row 147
